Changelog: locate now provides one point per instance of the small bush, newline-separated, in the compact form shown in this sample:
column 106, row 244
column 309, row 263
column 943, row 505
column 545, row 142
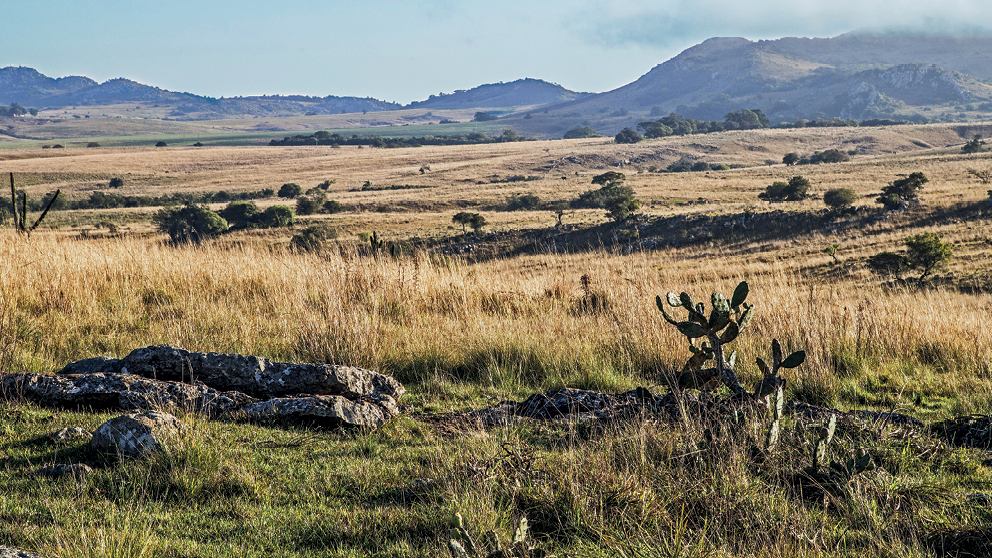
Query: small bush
column 92, row 144
column 161, row 144
column 628, row 135
column 312, row 239
column 888, row 263
column 277, row 216
column 192, row 223
column 794, row 190
column 240, row 214
column 523, row 202
column 310, row 203
column 116, row 182
column 290, row 190
column 837, row 198
column 333, row 206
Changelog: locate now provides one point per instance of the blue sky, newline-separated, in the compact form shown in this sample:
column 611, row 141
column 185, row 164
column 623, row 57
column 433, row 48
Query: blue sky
column 404, row 51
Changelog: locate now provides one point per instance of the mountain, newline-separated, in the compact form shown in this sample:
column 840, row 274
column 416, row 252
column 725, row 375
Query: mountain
column 857, row 76
column 30, row 87
column 526, row 92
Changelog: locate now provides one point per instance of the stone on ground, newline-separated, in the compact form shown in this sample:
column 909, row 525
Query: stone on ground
column 138, row 434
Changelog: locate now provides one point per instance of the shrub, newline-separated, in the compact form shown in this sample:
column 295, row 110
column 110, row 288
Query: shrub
column 719, row 167
column 61, row 202
column 837, row 198
column 790, row 159
column 325, row 185
column 310, row 203
column 191, row 223
column 333, row 206
column 467, row 219
column 700, row 166
column 888, row 263
column 628, row 135
column 277, row 216
column 793, row 190
column 312, row 239
column 116, row 182
column 682, row 165
column 928, row 253
column 522, row 202
column 581, row 132
column 58, row 146
column 903, row 189
column 161, row 144
column 197, row 144
column 240, row 214
column 290, row 190
column 92, row 144
column 621, row 207
column 976, row 145
column 483, row 117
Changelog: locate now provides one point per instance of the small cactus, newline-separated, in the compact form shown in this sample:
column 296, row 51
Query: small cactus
column 21, row 218
column 462, row 545
column 775, row 428
column 826, row 435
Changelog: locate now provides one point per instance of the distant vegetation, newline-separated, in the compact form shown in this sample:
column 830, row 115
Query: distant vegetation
column 581, row 132
column 108, row 200
column 375, row 140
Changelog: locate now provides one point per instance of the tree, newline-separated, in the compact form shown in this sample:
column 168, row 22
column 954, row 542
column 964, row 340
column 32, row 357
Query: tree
column 928, row 253
column 655, row 129
column 794, row 190
column 116, row 182
column 976, row 145
column 609, row 178
column 311, row 239
column 790, row 159
column 523, row 202
column 743, row 119
column 189, row 224
column 161, row 144
column 509, row 136
column 240, row 214
column 902, row 189
column 621, row 207
column 333, row 206
column 290, row 190
column 984, row 176
column 277, row 216
column 832, row 251
column 468, row 219
column 581, row 132
column 34, row 112
column 483, row 117
column 559, row 209
column 837, row 198
column 628, row 135
column 311, row 202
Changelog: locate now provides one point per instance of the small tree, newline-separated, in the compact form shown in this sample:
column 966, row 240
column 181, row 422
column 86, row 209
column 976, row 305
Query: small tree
column 468, row 219
column 832, row 251
column 116, row 182
column 902, row 189
column 189, row 224
column 621, row 207
column 240, row 214
column 523, row 202
column 311, row 202
column 976, row 145
column 984, row 176
column 610, row 178
column 333, row 206
column 312, row 239
column 790, row 159
column 559, row 209
column 838, row 198
column 928, row 253
column 290, row 190
column 161, row 144
column 483, row 117
column 277, row 216
column 794, row 190
column 628, row 135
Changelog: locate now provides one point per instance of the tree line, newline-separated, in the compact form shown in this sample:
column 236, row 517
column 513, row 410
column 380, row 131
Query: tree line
column 375, row 140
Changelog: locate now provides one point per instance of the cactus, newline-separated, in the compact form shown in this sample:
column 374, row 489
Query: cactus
column 826, row 435
column 21, row 218
column 727, row 319
column 775, row 428
column 375, row 243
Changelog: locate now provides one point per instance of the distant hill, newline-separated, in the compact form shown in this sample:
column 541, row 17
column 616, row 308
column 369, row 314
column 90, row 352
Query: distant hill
column 857, row 76
column 527, row 92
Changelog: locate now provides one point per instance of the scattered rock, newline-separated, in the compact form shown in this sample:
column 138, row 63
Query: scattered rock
column 973, row 431
column 256, row 376
column 328, row 410
column 61, row 469
column 125, row 392
column 137, row 434
column 95, row 365
column 68, row 434
column 7, row 552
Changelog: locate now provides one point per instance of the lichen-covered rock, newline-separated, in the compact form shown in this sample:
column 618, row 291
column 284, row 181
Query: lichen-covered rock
column 257, row 376
column 95, row 365
column 328, row 410
column 138, row 434
column 67, row 434
column 62, row 469
column 112, row 391
column 7, row 552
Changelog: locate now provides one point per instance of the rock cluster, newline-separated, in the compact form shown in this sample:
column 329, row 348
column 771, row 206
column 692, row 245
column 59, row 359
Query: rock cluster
column 237, row 386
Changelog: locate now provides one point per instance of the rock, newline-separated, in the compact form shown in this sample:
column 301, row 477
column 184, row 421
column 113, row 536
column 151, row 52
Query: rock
column 125, row 392
column 67, row 434
column 7, row 552
column 96, row 365
column 61, row 469
column 137, row 434
column 327, row 410
column 257, row 376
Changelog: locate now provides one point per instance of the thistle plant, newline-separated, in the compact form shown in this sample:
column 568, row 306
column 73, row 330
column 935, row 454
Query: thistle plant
column 726, row 321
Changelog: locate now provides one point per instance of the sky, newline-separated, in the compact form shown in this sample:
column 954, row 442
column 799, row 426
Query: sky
column 402, row 51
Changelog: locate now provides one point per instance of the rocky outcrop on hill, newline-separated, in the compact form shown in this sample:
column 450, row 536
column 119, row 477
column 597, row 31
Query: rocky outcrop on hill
column 233, row 385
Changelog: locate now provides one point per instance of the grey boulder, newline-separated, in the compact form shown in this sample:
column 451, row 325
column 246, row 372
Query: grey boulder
column 67, row 434
column 113, row 391
column 138, row 434
column 256, row 376
column 7, row 552
column 326, row 410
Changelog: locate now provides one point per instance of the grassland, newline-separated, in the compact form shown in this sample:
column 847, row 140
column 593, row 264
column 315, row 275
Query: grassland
column 463, row 333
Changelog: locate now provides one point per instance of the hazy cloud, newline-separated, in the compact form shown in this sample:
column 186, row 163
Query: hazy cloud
column 681, row 23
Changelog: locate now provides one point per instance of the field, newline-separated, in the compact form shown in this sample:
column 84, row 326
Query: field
column 510, row 318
